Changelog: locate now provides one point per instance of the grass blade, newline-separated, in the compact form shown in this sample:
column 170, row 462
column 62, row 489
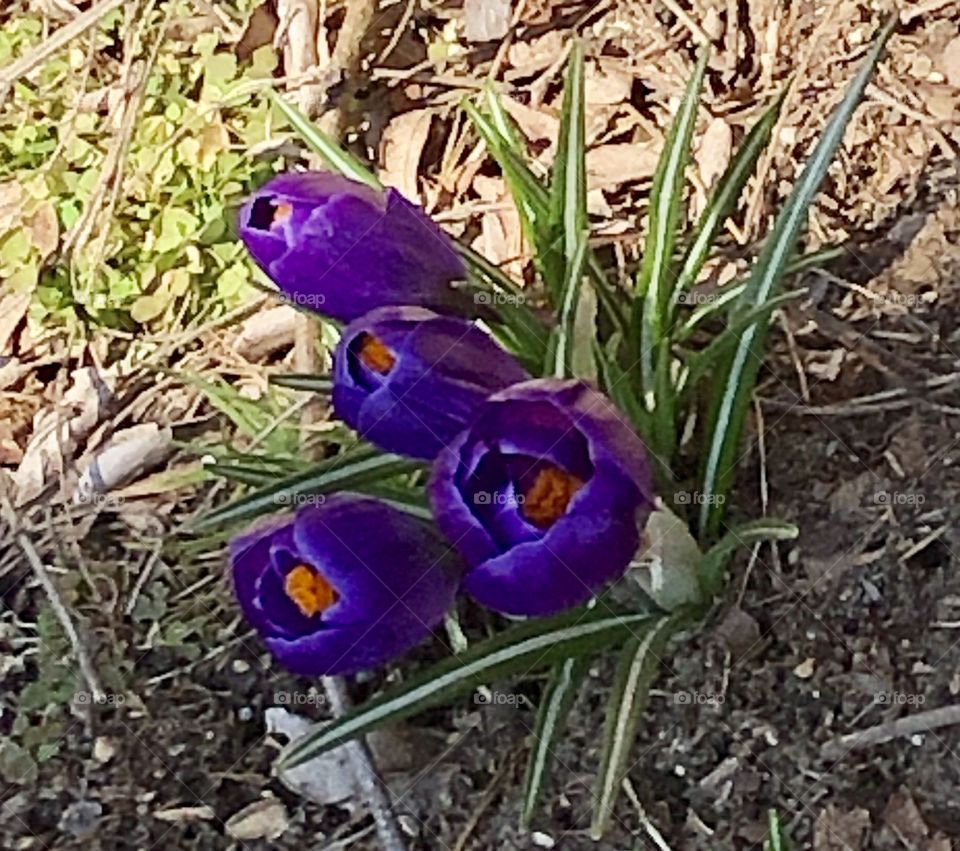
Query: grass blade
column 528, row 335
column 527, row 190
column 253, row 476
column 353, row 469
column 558, row 697
column 568, row 181
column 314, row 138
column 654, row 287
column 724, row 196
column 501, row 119
column 737, row 380
column 727, row 296
column 628, row 698
column 519, row 649
column 305, row 381
column 533, row 202
column 776, row 840
column 568, row 210
column 706, row 359
column 561, row 351
column 714, row 561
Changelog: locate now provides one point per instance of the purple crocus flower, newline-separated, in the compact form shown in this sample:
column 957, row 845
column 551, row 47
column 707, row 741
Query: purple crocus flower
column 544, row 495
column 340, row 248
column 409, row 380
column 343, row 586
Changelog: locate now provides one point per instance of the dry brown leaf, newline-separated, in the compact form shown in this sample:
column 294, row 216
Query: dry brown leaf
column 265, row 819
column 535, row 124
column 713, row 153
column 13, row 307
column 10, row 451
column 44, row 229
column 485, row 20
column 58, row 429
column 531, row 57
column 836, row 830
column 179, row 815
column 266, row 332
column 500, row 237
column 613, row 165
column 904, row 818
column 950, row 62
column 606, row 85
column 826, row 366
column 11, row 205
column 401, row 149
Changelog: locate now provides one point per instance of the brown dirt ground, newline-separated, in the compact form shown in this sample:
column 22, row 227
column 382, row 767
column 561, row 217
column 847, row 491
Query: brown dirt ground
column 853, row 625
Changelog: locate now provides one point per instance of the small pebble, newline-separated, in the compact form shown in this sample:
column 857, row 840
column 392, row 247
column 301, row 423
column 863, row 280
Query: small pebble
column 104, row 749
column 80, row 818
column 542, row 840
column 805, row 669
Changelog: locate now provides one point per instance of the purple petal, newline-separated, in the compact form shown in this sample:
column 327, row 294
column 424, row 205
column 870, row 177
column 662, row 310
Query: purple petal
column 444, row 369
column 342, row 248
column 514, row 566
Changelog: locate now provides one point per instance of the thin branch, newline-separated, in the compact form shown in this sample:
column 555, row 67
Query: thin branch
column 919, row 722
column 53, row 596
column 375, row 793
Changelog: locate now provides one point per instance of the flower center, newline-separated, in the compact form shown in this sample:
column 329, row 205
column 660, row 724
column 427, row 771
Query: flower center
column 281, row 212
column 309, row 590
column 268, row 212
column 375, row 354
column 546, row 500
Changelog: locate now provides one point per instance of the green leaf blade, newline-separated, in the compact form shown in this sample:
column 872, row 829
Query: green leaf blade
column 636, row 668
column 307, row 382
column 737, row 380
column 714, row 561
column 355, row 469
column 569, row 210
column 654, row 287
column 326, row 146
column 516, row 650
column 724, row 196
column 558, row 697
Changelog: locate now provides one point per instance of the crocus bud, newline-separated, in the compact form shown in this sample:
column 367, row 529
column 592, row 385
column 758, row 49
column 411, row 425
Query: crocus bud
column 409, row 380
column 340, row 248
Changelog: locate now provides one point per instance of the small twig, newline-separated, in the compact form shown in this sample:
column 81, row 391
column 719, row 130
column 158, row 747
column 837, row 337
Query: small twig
column 920, row 722
column 680, row 14
column 923, row 543
column 368, row 779
column 53, row 596
column 651, row 829
column 60, row 38
column 484, row 803
column 149, row 562
column 907, row 15
column 398, row 31
column 345, row 58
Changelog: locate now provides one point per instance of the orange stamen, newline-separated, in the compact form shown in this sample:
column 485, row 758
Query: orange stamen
column 547, row 498
column 376, row 355
column 309, row 590
column 281, row 212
